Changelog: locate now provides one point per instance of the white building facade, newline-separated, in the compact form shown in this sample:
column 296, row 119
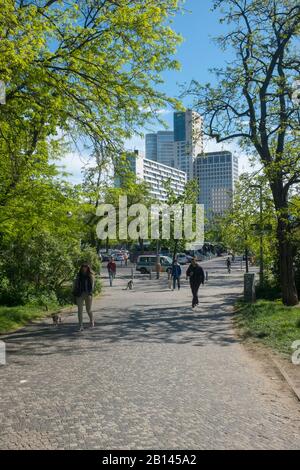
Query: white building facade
column 155, row 174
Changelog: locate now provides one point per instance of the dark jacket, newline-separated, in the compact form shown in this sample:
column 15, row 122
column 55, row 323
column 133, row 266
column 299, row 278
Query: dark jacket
column 195, row 274
column 83, row 285
column 112, row 267
column 176, row 271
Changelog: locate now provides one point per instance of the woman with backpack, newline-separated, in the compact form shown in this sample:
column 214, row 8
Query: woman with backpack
column 83, row 292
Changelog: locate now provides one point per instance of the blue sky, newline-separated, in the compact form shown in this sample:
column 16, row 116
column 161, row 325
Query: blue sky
column 197, row 54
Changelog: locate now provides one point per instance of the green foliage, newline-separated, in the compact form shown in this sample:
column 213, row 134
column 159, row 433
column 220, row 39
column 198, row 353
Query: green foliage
column 74, row 71
column 14, row 317
column 88, row 255
column 255, row 102
column 189, row 196
column 35, row 267
column 239, row 229
column 269, row 290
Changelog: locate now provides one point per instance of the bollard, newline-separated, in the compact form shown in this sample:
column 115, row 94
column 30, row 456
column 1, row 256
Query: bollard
column 132, row 275
column 2, row 353
column 249, row 287
column 206, row 276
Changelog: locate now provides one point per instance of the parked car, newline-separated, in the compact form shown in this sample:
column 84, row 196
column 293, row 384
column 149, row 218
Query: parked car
column 118, row 257
column 146, row 263
column 182, row 258
column 104, row 257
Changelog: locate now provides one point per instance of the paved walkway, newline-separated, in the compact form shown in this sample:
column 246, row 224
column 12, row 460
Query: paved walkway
column 153, row 374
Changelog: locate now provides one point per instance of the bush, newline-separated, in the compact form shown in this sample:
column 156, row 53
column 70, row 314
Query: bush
column 41, row 270
column 88, row 255
column 268, row 291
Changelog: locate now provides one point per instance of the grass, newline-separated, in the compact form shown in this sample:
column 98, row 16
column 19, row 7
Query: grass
column 12, row 318
column 271, row 323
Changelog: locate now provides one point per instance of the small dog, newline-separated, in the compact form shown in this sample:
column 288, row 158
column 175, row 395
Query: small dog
column 129, row 285
column 56, row 317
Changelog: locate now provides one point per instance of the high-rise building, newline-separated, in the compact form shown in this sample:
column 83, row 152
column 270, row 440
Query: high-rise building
column 151, row 147
column 154, row 173
column 217, row 173
column 188, row 140
column 160, row 147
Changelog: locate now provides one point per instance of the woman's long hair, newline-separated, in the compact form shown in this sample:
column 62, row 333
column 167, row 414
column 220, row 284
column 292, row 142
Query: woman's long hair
column 89, row 271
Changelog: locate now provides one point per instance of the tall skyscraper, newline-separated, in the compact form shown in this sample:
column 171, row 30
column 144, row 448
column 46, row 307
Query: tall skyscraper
column 217, row 173
column 160, row 147
column 188, row 140
column 151, row 147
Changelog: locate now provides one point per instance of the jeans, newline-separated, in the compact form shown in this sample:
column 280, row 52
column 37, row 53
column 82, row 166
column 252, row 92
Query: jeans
column 195, row 289
column 176, row 279
column 87, row 300
column 111, row 275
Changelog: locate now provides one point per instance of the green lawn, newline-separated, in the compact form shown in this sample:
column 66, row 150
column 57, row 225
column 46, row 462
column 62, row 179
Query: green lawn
column 271, row 323
column 12, row 318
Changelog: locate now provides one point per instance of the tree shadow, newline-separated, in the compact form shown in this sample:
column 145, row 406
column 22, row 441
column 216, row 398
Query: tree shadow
column 138, row 324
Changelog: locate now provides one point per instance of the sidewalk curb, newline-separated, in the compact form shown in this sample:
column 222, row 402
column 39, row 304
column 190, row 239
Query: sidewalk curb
column 286, row 376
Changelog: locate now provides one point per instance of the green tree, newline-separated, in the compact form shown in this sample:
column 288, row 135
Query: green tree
column 189, row 196
column 240, row 230
column 124, row 183
column 79, row 71
column 255, row 101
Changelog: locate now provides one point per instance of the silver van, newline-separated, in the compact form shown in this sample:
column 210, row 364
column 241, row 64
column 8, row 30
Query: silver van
column 147, row 263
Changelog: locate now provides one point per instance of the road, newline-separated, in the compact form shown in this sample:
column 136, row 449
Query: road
column 153, row 374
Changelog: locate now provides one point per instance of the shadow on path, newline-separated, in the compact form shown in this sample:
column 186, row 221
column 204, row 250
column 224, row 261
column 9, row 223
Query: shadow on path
column 178, row 325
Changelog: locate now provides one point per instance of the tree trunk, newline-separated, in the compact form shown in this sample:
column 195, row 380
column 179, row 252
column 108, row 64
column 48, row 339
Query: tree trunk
column 247, row 260
column 285, row 246
column 286, row 264
column 175, row 251
column 141, row 243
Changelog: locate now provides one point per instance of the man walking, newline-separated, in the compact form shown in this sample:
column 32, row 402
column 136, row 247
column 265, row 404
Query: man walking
column 228, row 264
column 196, row 275
column 176, row 274
column 112, row 270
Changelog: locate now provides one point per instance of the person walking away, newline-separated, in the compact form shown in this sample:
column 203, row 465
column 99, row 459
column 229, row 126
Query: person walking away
column 176, row 274
column 196, row 276
column 112, row 270
column 228, row 264
column 83, row 292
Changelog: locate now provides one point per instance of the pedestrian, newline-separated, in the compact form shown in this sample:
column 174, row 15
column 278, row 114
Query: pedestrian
column 196, row 276
column 112, row 270
column 176, row 274
column 83, row 292
column 126, row 259
column 228, row 264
